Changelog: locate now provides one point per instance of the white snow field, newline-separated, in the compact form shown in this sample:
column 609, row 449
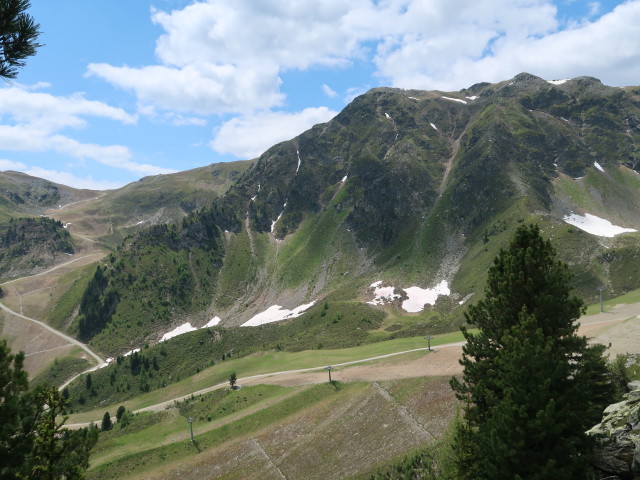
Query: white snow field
column 184, row 328
column 459, row 100
column 598, row 166
column 276, row 313
column 417, row 297
column 596, row 225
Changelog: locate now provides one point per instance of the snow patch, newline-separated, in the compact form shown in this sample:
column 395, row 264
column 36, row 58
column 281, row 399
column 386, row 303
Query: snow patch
column 66, row 225
column 253, row 198
column 559, row 82
column 140, row 222
column 387, row 115
column 473, row 97
column 596, row 225
column 419, row 297
column 459, row 100
column 131, row 352
column 383, row 295
column 598, row 166
column 344, row 179
column 299, row 161
column 273, row 224
column 187, row 327
column 433, row 126
column 184, row 328
column 413, row 98
column 212, row 323
column 276, row 313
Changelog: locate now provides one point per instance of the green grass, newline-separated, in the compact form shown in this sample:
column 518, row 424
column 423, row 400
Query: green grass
column 63, row 368
column 263, row 363
column 141, row 461
column 60, row 313
column 150, row 430
column 627, row 299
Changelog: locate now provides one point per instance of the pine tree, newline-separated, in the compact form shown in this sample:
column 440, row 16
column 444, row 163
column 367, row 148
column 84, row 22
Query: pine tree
column 531, row 386
column 16, row 419
column 18, row 36
column 106, row 422
column 33, row 442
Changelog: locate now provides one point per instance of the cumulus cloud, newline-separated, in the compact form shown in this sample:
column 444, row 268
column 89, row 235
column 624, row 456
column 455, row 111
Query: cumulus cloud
column 64, row 178
column 32, row 139
column 11, row 165
column 605, row 48
column 328, row 91
column 203, row 88
column 216, row 56
column 52, row 113
column 39, row 118
column 248, row 137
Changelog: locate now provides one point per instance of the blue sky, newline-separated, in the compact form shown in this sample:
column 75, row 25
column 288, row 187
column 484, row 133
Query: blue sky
column 128, row 88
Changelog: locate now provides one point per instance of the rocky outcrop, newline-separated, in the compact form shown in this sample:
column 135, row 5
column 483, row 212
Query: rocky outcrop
column 618, row 456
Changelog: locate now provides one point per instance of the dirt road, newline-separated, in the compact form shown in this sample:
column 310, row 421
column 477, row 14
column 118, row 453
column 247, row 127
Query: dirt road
column 620, row 325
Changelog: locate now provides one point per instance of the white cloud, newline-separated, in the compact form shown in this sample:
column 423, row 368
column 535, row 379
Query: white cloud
column 32, row 122
column 475, row 51
column 64, row 178
column 216, row 56
column 69, row 179
column 11, row 165
column 328, row 91
column 52, row 113
column 248, row 137
column 203, row 89
column 594, row 8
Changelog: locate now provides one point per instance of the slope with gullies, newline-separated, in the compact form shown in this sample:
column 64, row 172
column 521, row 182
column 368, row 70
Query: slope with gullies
column 416, row 190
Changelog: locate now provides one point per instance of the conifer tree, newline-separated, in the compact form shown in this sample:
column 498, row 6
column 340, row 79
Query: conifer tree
column 18, row 36
column 33, row 442
column 531, row 386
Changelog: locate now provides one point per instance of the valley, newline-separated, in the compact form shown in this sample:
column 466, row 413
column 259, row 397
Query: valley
column 345, row 246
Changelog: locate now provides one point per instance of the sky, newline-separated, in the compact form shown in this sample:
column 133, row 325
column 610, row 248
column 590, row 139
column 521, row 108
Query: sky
column 124, row 89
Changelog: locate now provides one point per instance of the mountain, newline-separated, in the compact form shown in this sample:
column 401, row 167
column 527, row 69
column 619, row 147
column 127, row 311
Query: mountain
column 402, row 200
column 112, row 215
column 22, row 194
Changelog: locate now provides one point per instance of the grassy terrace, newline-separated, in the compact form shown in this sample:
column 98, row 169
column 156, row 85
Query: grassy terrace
column 265, row 363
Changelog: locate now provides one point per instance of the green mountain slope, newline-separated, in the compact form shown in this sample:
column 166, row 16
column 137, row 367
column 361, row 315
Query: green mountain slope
column 22, row 194
column 112, row 215
column 411, row 188
column 29, row 245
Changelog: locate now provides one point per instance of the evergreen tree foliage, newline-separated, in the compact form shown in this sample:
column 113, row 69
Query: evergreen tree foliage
column 233, row 378
column 531, row 386
column 106, row 422
column 18, row 36
column 33, row 442
column 15, row 418
column 120, row 412
column 57, row 453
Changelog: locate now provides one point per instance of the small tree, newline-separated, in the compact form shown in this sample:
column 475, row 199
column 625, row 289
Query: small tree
column 106, row 422
column 233, row 378
column 531, row 386
column 18, row 36
column 120, row 412
column 88, row 381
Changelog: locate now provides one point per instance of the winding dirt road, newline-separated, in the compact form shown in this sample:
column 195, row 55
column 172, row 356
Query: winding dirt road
column 69, row 340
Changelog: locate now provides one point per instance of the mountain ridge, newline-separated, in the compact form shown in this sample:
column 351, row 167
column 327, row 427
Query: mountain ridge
column 405, row 186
